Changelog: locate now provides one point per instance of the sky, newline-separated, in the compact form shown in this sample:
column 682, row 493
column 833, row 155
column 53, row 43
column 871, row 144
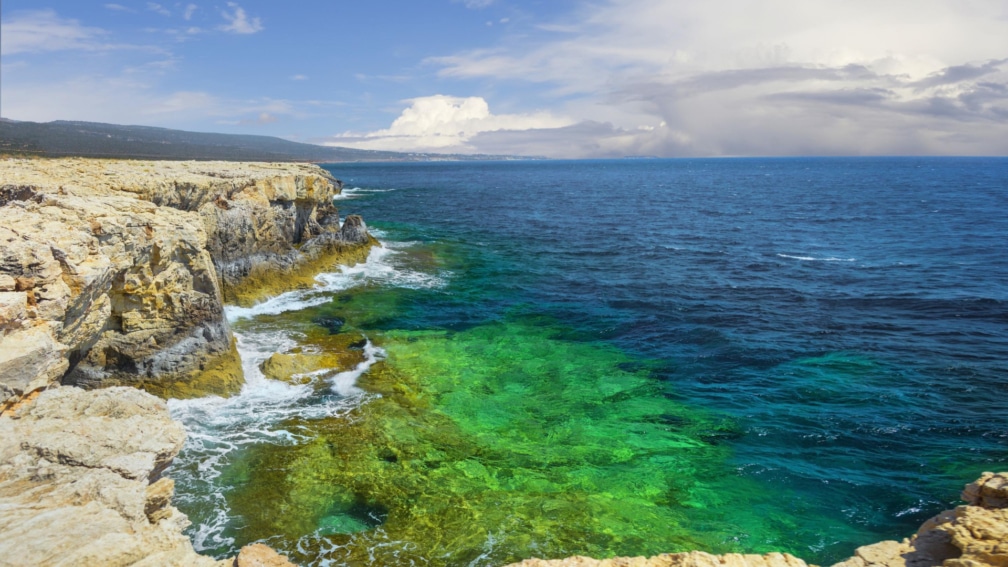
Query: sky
column 556, row 78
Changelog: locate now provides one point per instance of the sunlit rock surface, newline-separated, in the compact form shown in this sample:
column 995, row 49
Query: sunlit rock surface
column 116, row 271
column 80, row 484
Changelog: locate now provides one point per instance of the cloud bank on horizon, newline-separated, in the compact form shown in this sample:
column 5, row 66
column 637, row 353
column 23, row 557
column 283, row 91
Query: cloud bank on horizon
column 578, row 79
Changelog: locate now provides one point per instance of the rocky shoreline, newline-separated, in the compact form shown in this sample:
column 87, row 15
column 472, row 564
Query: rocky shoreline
column 115, row 273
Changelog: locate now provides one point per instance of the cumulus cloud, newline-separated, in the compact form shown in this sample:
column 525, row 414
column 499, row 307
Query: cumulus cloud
column 779, row 77
column 446, row 123
column 239, row 22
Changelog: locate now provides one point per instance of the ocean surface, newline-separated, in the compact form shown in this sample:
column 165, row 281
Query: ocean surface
column 550, row 358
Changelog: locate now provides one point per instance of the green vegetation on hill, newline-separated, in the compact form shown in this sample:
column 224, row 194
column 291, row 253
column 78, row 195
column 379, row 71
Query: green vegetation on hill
column 93, row 139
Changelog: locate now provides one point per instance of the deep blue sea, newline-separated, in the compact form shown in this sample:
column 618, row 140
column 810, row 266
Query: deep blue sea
column 840, row 325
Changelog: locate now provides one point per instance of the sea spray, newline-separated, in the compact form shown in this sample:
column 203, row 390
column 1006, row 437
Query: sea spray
column 222, row 430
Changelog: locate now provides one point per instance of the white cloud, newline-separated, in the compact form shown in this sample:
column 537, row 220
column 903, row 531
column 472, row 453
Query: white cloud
column 263, row 118
column 119, row 8
column 158, row 8
column 239, row 22
column 299, row 77
column 190, row 9
column 446, row 123
column 135, row 97
column 42, row 30
column 777, row 76
column 475, row 4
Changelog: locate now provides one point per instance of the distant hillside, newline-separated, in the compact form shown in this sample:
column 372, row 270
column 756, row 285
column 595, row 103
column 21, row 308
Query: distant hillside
column 93, row 139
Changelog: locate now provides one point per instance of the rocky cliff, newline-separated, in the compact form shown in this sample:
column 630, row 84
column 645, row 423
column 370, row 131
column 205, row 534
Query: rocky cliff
column 115, row 271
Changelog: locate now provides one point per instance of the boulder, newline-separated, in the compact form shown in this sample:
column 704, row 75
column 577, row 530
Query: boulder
column 80, row 482
column 261, row 555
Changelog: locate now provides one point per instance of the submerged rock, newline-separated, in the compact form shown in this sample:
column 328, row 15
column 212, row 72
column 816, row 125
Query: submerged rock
column 974, row 535
column 691, row 559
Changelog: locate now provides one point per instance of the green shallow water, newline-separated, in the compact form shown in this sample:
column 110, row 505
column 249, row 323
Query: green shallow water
column 623, row 358
column 500, row 442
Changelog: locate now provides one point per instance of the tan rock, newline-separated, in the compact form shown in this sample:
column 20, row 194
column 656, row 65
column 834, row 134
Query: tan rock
column 969, row 536
column 989, row 491
column 31, row 359
column 261, row 555
column 127, row 263
column 75, row 468
column 13, row 309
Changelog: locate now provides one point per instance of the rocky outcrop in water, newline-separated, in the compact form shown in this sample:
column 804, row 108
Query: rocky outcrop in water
column 974, row 535
column 968, row 536
column 115, row 272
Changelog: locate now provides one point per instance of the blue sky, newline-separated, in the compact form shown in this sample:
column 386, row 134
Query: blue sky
column 564, row 78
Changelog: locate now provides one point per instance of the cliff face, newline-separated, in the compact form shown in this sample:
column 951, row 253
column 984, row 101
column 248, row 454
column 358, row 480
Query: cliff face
column 115, row 272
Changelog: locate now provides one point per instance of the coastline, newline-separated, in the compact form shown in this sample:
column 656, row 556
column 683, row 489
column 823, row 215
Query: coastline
column 115, row 273
column 236, row 206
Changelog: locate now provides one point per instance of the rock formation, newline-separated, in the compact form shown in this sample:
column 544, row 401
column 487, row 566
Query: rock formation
column 115, row 271
column 968, row 536
column 80, row 482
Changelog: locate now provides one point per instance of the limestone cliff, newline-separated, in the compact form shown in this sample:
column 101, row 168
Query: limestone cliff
column 115, row 271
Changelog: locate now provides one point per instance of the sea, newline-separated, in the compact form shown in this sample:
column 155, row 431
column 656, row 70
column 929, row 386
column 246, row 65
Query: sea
column 620, row 358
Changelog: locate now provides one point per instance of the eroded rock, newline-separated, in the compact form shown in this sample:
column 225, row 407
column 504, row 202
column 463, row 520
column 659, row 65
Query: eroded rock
column 261, row 555
column 75, row 482
column 115, row 271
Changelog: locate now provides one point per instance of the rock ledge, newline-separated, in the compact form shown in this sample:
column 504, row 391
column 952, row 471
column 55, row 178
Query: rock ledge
column 115, row 272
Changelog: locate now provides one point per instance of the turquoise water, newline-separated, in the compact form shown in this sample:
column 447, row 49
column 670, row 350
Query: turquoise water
column 622, row 358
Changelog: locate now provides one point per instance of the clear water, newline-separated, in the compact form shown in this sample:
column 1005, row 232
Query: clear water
column 622, row 358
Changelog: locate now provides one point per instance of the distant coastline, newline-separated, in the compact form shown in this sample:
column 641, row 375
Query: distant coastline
column 63, row 138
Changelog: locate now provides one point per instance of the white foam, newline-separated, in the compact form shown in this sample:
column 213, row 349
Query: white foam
column 814, row 259
column 218, row 429
column 345, row 383
column 356, row 192
column 379, row 268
